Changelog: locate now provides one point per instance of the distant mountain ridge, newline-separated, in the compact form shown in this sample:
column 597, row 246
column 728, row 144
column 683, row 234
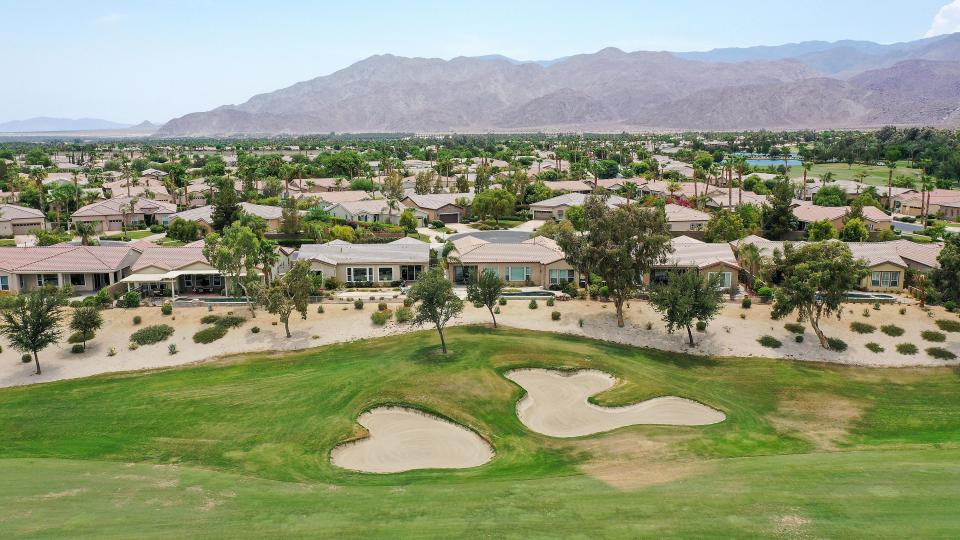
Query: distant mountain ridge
column 804, row 85
column 43, row 123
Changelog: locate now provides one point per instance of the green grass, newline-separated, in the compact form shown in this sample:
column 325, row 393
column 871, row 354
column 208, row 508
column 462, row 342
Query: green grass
column 131, row 235
column 876, row 175
column 243, row 448
column 8, row 242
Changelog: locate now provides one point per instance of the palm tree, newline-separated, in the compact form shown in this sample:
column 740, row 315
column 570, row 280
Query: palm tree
column 751, row 258
column 806, row 167
column 891, row 165
column 630, row 191
column 85, row 231
column 740, row 165
column 37, row 174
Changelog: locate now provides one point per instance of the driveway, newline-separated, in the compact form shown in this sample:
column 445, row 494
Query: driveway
column 511, row 236
column 903, row 226
column 529, row 226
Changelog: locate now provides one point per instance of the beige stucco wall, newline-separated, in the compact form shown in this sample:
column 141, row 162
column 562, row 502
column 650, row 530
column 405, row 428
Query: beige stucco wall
column 883, row 267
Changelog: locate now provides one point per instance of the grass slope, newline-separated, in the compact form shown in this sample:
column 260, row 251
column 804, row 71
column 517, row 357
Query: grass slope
column 241, row 448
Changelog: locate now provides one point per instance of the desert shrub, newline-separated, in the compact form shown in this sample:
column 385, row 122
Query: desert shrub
column 502, row 301
column 555, row 315
column 948, row 326
column 743, row 315
column 836, row 344
column 358, row 304
column 79, row 337
column 210, row 334
column 130, row 300
column 166, row 309
column 903, row 311
column 255, row 330
column 112, row 351
column 770, row 341
column 550, row 302
column 172, row 348
column 407, row 302
column 798, row 338
column 151, row 334
column 701, row 326
column 866, row 313
column 26, row 358
column 133, row 346
column 230, row 321
column 933, row 335
column 77, row 348
column 746, row 302
column 765, row 292
column 874, row 347
column 380, row 318
column 937, row 352
column 320, row 309
column 532, row 304
column 891, row 330
column 496, row 310
column 404, row 314
column 906, row 348
column 862, row 328
column 382, row 306
column 876, row 306
column 209, row 319
column 137, row 319
column 950, row 306
column 795, row 328
column 649, row 325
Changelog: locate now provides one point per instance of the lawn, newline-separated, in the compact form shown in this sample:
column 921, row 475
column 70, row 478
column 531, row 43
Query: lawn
column 8, row 242
column 131, row 235
column 240, row 448
column 876, row 175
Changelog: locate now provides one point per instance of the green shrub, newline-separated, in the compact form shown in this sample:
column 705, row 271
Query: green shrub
column 532, row 304
column 550, row 302
column 320, row 309
column 701, row 326
column 79, row 337
column 407, row 302
column 137, row 319
column 866, row 313
column 26, row 358
column 948, row 326
column 746, row 302
column 77, row 348
column 166, row 309
column 555, row 315
column 380, row 318
column 906, row 348
column 209, row 334
column 382, row 306
column 209, row 319
column 903, row 311
column 172, row 348
column 130, row 300
column 230, row 321
column 496, row 310
column 836, row 344
column 862, row 328
column 933, row 335
column 795, row 328
column 875, row 347
column 404, row 314
column 358, row 304
column 502, row 301
column 770, row 341
column 255, row 330
column 765, row 292
column 937, row 352
column 152, row 334
column 112, row 351
column 798, row 338
column 133, row 346
column 892, row 330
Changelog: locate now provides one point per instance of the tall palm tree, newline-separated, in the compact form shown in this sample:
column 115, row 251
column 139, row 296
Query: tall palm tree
column 806, row 167
column 740, row 165
column 750, row 258
column 891, row 166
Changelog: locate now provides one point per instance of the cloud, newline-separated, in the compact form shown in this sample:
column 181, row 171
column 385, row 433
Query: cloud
column 109, row 18
column 946, row 21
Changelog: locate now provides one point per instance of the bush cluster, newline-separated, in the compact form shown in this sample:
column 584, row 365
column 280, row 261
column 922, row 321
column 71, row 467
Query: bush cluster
column 532, row 304
column 940, row 353
column 875, row 347
column 151, row 334
column 892, row 330
column 77, row 348
column 770, row 341
column 210, row 334
column 358, row 304
column 948, row 325
column 836, row 344
column 404, row 314
column 79, row 337
column 906, row 348
column 380, row 318
column 555, row 315
column 795, row 328
column 862, row 328
column 933, row 335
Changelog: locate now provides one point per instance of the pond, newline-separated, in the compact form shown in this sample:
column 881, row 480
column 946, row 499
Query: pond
column 769, row 162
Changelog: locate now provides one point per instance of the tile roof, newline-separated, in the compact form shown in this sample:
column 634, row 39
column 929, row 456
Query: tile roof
column 111, row 207
column 205, row 213
column 66, row 258
column 169, row 258
column 895, row 251
column 676, row 212
column 699, row 255
column 10, row 212
column 437, row 200
column 509, row 253
column 339, row 252
column 576, row 199
column 334, row 197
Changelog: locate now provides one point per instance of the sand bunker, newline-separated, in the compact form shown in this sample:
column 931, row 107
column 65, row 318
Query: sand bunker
column 556, row 405
column 404, row 439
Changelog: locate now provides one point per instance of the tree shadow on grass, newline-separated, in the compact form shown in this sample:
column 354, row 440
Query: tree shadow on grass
column 433, row 355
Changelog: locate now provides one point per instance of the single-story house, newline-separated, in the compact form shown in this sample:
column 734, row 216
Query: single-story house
column 534, row 262
column 569, row 186
column 875, row 219
column 86, row 268
column 440, row 206
column 107, row 215
column 684, row 219
column 204, row 215
column 375, row 211
column 887, row 262
column 911, row 203
column 707, row 259
column 147, row 187
column 182, row 270
column 385, row 264
column 556, row 207
column 330, row 198
column 20, row 220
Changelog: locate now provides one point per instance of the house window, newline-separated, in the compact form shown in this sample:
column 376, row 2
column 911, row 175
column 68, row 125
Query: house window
column 359, row 274
column 696, row 226
column 725, row 279
column 385, row 274
column 659, row 276
column 218, row 280
column 78, row 280
column 47, row 279
column 518, row 273
column 4, row 283
column 870, row 226
column 188, row 280
column 561, row 276
column 409, row 272
column 885, row 279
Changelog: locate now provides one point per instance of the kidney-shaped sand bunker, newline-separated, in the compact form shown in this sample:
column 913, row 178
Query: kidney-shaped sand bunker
column 556, row 404
column 403, row 439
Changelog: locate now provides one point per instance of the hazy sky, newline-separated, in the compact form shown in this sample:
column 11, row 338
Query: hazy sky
column 133, row 60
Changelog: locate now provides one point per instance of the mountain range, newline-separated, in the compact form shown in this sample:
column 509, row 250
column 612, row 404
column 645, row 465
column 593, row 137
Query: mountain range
column 43, row 124
column 843, row 84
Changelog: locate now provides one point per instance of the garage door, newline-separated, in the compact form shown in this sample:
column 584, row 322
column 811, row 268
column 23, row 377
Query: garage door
column 449, row 218
column 25, row 228
column 542, row 214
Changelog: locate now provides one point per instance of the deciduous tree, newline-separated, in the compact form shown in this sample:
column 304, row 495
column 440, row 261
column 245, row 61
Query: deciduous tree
column 486, row 289
column 436, row 303
column 687, row 297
